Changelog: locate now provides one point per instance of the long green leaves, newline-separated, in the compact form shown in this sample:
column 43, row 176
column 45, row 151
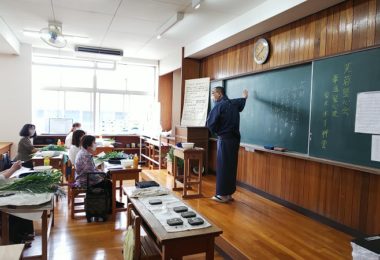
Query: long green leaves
column 52, row 147
column 39, row 182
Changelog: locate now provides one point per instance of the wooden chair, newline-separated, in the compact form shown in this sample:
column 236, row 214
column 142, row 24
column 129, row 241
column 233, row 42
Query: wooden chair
column 144, row 248
column 73, row 193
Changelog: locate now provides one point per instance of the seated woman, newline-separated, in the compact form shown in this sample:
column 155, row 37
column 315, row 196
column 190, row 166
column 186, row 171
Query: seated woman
column 69, row 137
column 75, row 146
column 84, row 164
column 25, row 147
column 20, row 230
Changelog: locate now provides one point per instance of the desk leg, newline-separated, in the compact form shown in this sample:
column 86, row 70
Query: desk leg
column 121, row 189
column 113, row 197
column 186, row 174
column 4, row 228
column 175, row 172
column 44, row 235
column 210, row 249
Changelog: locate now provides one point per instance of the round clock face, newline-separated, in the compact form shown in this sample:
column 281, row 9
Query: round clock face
column 261, row 51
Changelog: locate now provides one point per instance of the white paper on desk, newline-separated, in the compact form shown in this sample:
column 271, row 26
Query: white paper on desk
column 25, row 199
column 375, row 151
column 165, row 211
column 367, row 118
column 21, row 171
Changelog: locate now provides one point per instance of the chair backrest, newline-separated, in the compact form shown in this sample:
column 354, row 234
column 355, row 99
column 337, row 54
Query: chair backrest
column 5, row 162
column 134, row 220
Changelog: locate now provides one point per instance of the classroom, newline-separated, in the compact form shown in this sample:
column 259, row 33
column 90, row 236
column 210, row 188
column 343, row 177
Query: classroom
column 189, row 129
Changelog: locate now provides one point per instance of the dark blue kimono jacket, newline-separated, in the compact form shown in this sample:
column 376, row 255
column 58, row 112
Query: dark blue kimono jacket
column 224, row 121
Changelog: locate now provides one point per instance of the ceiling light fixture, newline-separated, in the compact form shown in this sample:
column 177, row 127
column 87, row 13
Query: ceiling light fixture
column 169, row 24
column 196, row 4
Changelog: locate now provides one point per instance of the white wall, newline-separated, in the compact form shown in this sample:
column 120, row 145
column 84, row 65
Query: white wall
column 15, row 94
column 171, row 62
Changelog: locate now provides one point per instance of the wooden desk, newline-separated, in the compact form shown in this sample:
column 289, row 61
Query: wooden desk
column 11, row 252
column 187, row 155
column 178, row 244
column 57, row 162
column 47, row 210
column 120, row 175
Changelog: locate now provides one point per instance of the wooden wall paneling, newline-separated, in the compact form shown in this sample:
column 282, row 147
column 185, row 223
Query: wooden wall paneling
column 293, row 45
column 297, row 193
column 274, row 184
column 250, row 61
column 373, row 215
column 323, row 34
column 242, row 169
column 329, row 31
column 312, row 183
column 335, row 29
column 360, row 24
column 349, row 24
column 325, row 171
column 305, row 38
column 347, row 201
column 190, row 70
column 371, row 31
column 165, row 95
column 363, row 211
column 357, row 194
column 332, row 192
column 342, row 29
column 289, row 174
column 377, row 23
column 310, row 32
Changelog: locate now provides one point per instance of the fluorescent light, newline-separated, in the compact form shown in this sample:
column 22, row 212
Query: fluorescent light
column 72, row 38
column 196, row 3
column 169, row 24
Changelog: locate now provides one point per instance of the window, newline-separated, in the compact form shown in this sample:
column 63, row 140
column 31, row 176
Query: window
column 104, row 96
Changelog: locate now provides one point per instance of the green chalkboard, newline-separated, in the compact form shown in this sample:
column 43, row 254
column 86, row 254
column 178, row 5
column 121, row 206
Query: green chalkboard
column 336, row 82
column 278, row 108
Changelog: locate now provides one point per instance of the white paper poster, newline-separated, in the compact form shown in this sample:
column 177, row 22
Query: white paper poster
column 368, row 113
column 195, row 102
column 375, row 151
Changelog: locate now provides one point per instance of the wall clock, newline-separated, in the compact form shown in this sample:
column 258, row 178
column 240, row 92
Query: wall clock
column 261, row 51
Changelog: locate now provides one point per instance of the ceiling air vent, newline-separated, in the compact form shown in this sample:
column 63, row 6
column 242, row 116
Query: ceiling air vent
column 99, row 50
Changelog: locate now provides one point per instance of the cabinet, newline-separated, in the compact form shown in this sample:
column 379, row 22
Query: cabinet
column 196, row 135
column 155, row 152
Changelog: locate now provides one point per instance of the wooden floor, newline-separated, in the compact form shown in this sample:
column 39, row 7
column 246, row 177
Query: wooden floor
column 262, row 229
column 257, row 227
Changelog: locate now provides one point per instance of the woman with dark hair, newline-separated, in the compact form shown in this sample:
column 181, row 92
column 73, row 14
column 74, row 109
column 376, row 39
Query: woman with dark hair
column 84, row 164
column 25, row 146
column 75, row 145
column 69, row 137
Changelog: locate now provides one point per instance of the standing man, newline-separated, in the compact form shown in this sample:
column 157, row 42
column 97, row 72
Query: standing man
column 224, row 120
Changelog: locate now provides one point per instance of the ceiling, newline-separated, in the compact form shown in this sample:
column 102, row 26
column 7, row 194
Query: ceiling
column 132, row 25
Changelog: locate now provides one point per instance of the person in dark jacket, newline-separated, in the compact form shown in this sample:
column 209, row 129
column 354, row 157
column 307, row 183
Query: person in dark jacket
column 224, row 121
column 25, row 148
